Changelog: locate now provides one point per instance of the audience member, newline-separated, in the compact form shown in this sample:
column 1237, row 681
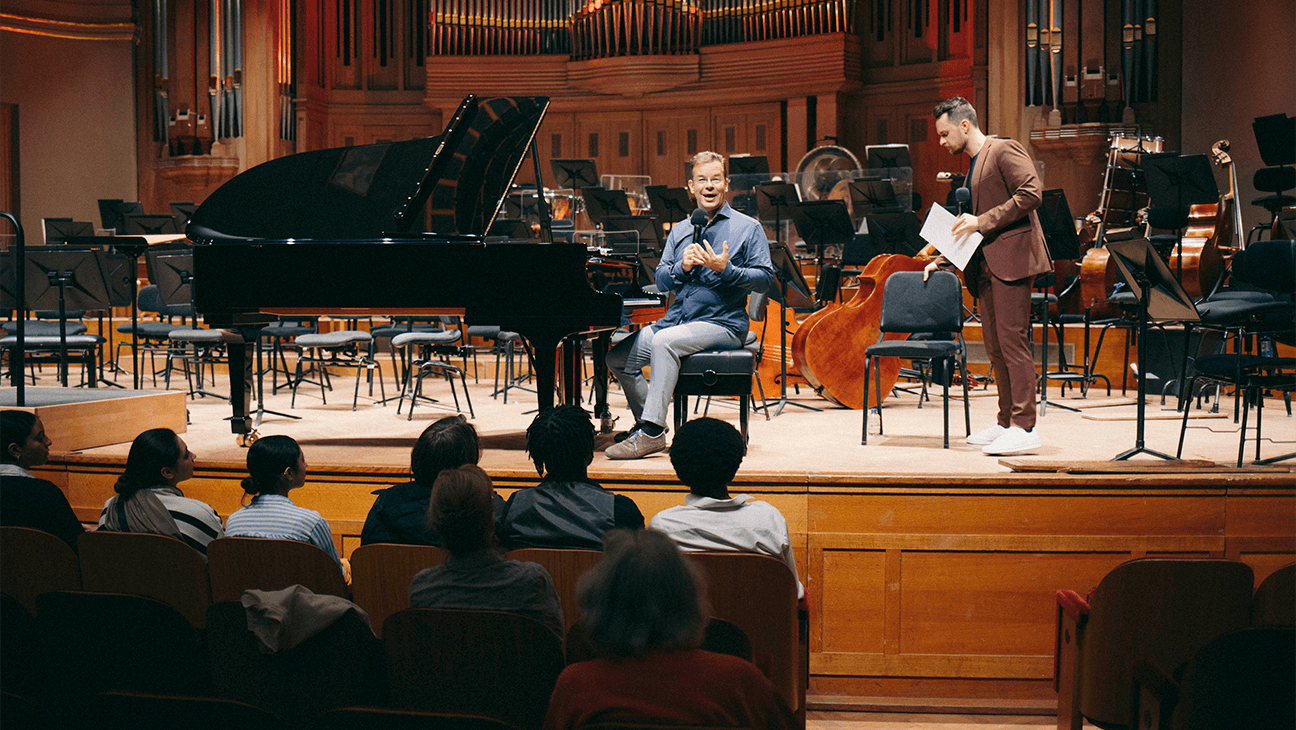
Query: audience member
column 277, row 466
column 642, row 610
column 149, row 498
column 476, row 575
column 25, row 499
column 706, row 454
column 399, row 515
column 566, row 510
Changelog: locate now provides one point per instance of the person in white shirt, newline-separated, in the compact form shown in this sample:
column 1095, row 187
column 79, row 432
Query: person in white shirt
column 706, row 454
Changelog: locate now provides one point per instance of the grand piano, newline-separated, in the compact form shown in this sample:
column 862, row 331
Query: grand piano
column 397, row 228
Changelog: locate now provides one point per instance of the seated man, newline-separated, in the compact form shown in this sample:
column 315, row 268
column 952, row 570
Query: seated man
column 566, row 510
column 706, row 454
column 711, row 278
column 399, row 515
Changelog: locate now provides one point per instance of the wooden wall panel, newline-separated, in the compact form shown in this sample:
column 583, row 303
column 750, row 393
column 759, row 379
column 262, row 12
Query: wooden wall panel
column 851, row 590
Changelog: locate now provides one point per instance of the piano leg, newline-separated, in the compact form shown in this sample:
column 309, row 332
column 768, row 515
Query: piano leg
column 572, row 359
column 602, row 342
column 241, row 361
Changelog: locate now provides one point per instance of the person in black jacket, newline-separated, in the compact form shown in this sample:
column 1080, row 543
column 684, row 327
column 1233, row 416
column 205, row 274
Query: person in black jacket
column 25, row 500
column 399, row 515
column 566, row 510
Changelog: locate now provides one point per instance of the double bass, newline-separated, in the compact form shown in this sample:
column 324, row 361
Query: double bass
column 1123, row 195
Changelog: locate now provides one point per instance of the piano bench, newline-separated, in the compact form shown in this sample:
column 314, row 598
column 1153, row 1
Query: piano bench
column 716, row 373
column 435, row 349
column 336, row 349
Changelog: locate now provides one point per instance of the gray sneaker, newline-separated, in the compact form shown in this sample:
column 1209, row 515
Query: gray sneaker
column 636, row 446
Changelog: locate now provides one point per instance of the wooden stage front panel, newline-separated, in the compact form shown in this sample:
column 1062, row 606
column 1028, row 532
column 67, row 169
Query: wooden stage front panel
column 938, row 588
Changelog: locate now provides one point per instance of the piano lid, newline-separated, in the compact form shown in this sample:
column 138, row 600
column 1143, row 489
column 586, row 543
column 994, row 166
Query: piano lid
column 451, row 185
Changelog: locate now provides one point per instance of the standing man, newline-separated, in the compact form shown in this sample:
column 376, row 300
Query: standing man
column 711, row 277
column 1005, row 193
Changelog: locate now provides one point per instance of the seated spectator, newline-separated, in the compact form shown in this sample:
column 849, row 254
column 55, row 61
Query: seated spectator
column 566, row 510
column 476, row 575
column 25, row 499
column 399, row 515
column 149, row 498
column 276, row 466
column 642, row 611
column 706, row 454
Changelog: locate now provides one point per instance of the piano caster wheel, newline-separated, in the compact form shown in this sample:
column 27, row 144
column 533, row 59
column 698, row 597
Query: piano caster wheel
column 247, row 439
column 607, row 423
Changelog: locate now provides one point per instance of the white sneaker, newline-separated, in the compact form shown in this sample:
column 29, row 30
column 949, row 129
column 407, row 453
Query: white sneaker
column 1014, row 440
column 986, row 435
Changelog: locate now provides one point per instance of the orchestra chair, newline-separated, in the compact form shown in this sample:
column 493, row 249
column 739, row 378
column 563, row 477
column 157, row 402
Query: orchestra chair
column 434, row 349
column 1251, row 376
column 399, row 325
column 565, row 567
column 40, row 350
column 1159, row 610
column 23, row 670
column 502, row 344
column 149, row 336
column 278, row 334
column 341, row 666
column 35, row 562
column 237, row 564
column 197, row 348
column 1274, row 603
column 383, row 718
column 148, row 711
column 719, row 637
column 1243, row 679
column 758, row 594
column 508, row 669
column 910, row 304
column 343, row 348
column 95, row 642
column 1042, row 301
column 157, row 566
column 1276, row 181
column 381, row 574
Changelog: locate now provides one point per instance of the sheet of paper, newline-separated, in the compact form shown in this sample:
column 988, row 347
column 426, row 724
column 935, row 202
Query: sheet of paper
column 936, row 231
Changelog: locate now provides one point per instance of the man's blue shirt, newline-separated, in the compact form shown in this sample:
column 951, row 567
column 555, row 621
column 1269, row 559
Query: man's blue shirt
column 703, row 295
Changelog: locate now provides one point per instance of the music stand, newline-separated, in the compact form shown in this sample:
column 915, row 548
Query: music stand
column 1063, row 245
column 601, row 203
column 59, row 231
column 172, row 271
column 645, row 227
column 822, row 223
column 1275, row 137
column 140, row 224
column 774, row 201
column 887, row 156
column 574, row 174
column 895, row 232
column 1178, row 182
column 793, row 291
column 65, row 278
column 1159, row 296
column 670, row 205
column 112, row 210
column 748, row 165
column 132, row 247
column 873, row 196
column 745, row 173
column 857, row 253
column 182, row 211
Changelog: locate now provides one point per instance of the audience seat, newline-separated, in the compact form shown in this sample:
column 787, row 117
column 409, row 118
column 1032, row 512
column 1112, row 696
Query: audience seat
column 156, row 566
column 381, row 574
column 1274, row 603
column 565, row 567
column 338, row 667
column 381, row 718
column 144, row 711
column 239, row 563
column 35, row 562
column 22, row 669
column 507, row 670
column 1156, row 610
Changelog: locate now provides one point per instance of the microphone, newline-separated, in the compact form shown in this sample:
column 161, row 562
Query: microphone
column 963, row 197
column 699, row 221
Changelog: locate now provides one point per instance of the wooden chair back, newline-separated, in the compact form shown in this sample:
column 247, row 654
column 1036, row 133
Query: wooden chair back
column 565, row 567
column 449, row 660
column 35, row 562
column 1243, row 679
column 382, row 718
column 381, row 574
column 144, row 711
column 1274, row 603
column 758, row 594
column 340, row 666
column 96, row 642
column 157, row 566
column 237, row 564
column 1159, row 610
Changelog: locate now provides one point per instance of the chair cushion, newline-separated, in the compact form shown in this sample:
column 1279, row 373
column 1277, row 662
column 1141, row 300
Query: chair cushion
column 1227, row 365
column 392, row 330
column 41, row 328
column 716, row 372
column 341, row 338
column 77, row 342
column 148, row 329
column 204, row 335
column 442, row 337
column 1228, row 311
column 913, row 349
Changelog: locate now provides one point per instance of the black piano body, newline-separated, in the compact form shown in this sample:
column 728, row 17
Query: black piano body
column 394, row 228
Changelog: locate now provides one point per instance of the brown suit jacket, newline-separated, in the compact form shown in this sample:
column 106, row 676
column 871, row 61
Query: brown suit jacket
column 1005, row 193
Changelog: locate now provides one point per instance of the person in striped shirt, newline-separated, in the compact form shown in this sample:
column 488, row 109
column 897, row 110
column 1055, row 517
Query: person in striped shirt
column 149, row 499
column 276, row 466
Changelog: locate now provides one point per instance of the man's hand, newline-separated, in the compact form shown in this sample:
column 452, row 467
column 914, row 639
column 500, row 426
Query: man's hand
column 928, row 269
column 712, row 260
column 966, row 223
column 691, row 257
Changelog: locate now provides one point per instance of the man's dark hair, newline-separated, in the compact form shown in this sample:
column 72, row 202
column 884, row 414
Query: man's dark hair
column 642, row 597
column 706, row 454
column 446, row 444
column 461, row 509
column 958, row 109
column 561, row 442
